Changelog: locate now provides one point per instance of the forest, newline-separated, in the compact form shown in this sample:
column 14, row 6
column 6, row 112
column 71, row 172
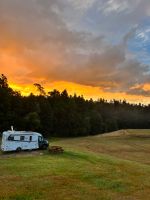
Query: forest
column 62, row 115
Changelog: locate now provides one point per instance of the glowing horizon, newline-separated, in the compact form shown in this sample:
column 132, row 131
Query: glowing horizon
column 88, row 92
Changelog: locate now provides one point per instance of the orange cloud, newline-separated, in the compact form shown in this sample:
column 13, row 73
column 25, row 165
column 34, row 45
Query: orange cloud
column 37, row 45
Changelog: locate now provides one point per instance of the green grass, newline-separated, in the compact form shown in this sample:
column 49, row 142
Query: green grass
column 86, row 170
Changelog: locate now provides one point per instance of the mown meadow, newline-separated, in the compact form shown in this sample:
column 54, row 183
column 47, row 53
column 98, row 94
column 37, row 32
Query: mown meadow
column 93, row 168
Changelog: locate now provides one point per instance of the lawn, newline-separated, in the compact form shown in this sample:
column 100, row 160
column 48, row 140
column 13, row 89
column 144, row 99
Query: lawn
column 92, row 168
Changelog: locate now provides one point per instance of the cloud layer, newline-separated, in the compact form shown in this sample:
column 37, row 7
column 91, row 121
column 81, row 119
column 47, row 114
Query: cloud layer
column 84, row 42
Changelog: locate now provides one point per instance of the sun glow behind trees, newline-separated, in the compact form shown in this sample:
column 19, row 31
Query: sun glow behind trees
column 87, row 91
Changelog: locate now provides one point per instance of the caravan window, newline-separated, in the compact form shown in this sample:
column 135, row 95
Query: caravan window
column 11, row 138
column 22, row 138
column 40, row 139
column 30, row 138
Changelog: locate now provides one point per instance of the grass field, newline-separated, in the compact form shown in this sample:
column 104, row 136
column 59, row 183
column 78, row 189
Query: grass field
column 114, row 166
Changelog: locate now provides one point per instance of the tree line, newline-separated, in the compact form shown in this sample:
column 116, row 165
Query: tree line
column 63, row 115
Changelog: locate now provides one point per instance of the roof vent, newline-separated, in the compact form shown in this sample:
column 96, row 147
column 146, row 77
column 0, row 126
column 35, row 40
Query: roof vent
column 12, row 128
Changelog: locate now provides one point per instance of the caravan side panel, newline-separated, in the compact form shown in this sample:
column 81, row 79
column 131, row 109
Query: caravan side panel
column 23, row 141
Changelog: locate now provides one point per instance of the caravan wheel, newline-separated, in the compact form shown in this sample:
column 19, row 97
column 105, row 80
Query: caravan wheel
column 18, row 149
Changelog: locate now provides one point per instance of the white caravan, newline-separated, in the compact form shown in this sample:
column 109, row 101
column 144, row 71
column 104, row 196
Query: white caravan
column 22, row 140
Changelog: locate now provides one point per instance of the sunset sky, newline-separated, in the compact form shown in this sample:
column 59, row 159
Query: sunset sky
column 98, row 48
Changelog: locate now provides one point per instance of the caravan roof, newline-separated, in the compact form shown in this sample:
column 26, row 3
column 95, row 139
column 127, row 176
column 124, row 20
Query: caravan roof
column 7, row 133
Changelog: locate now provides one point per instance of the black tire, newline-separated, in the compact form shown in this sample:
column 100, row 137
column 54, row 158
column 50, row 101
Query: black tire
column 18, row 149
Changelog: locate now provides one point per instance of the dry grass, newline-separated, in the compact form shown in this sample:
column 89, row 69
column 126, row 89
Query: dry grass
column 132, row 145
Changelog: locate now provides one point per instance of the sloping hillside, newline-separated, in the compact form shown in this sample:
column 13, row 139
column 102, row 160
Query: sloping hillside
column 130, row 144
column 128, row 132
